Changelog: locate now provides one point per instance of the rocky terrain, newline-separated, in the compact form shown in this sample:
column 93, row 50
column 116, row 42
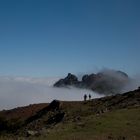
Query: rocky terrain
column 105, row 82
column 103, row 118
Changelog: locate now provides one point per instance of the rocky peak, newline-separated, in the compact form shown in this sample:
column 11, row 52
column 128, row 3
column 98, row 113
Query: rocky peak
column 69, row 80
column 104, row 82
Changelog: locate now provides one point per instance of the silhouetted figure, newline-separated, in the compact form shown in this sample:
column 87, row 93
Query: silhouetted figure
column 89, row 97
column 85, row 97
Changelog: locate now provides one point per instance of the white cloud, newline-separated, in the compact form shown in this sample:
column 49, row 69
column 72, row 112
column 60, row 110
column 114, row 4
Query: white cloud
column 20, row 91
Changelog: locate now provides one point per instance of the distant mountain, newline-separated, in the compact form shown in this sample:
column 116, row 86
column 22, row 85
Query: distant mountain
column 105, row 82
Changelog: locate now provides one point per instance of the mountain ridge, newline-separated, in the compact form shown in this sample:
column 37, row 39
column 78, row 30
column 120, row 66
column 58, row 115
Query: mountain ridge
column 105, row 82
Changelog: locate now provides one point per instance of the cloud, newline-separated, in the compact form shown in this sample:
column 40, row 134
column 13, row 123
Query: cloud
column 20, row 91
column 133, row 84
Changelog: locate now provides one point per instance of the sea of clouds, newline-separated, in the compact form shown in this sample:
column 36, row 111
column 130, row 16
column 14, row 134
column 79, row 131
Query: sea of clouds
column 21, row 91
column 18, row 91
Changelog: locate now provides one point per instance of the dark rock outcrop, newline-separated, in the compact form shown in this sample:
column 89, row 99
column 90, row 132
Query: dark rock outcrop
column 56, row 118
column 105, row 82
column 69, row 80
column 53, row 106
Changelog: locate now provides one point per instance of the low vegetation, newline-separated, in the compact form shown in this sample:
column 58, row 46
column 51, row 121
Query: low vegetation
column 109, row 118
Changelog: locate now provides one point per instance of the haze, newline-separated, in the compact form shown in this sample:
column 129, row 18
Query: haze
column 21, row 91
column 50, row 38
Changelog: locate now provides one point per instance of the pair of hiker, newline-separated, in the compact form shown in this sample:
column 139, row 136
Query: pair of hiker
column 85, row 97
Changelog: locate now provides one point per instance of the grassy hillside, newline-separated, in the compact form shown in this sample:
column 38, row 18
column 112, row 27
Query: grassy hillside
column 119, row 124
column 109, row 118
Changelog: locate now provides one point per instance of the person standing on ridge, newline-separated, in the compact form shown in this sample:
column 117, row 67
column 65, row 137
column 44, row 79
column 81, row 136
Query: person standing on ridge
column 89, row 97
column 85, row 97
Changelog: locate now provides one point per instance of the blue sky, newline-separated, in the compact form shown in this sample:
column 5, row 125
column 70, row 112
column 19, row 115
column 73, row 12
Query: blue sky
column 54, row 37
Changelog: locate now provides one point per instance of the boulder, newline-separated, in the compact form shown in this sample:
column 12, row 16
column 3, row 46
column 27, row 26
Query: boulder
column 54, row 105
column 32, row 133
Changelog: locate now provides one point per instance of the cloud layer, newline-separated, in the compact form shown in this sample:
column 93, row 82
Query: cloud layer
column 20, row 91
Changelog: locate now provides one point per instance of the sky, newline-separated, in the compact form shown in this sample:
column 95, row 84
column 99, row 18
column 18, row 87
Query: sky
column 54, row 37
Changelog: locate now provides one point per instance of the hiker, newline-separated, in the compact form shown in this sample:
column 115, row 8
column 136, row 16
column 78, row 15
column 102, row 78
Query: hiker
column 89, row 97
column 85, row 97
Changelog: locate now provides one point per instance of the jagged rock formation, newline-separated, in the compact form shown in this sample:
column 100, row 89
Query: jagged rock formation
column 105, row 82
column 69, row 80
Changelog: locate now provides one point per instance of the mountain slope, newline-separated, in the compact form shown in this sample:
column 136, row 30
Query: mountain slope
column 113, row 117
